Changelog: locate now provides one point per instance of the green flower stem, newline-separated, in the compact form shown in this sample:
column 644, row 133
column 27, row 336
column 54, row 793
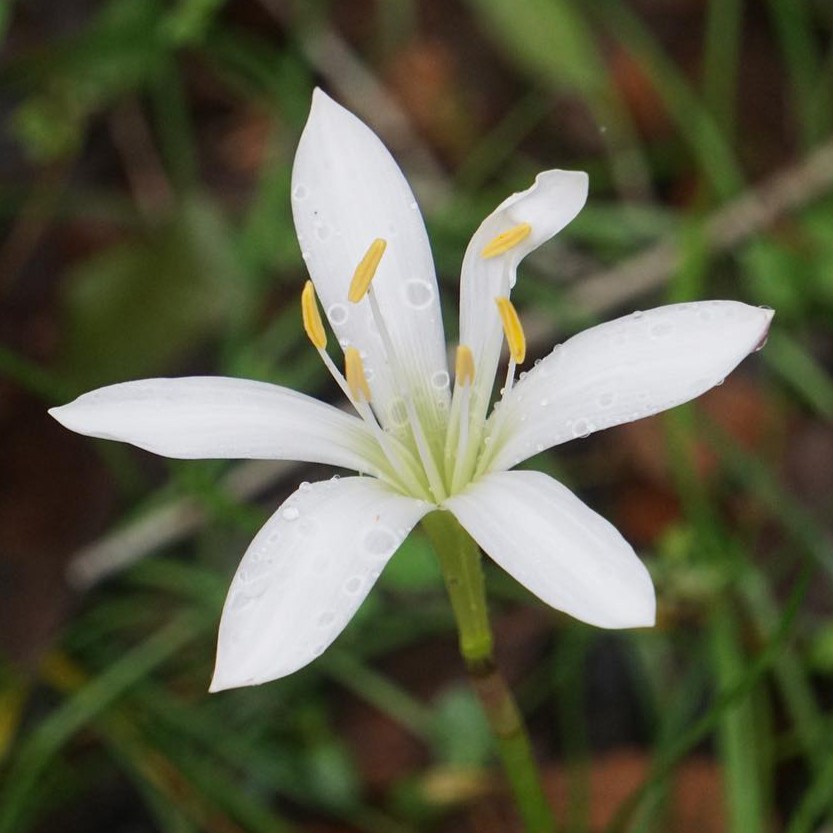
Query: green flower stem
column 460, row 562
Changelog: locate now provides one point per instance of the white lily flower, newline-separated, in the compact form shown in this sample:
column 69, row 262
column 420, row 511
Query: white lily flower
column 424, row 447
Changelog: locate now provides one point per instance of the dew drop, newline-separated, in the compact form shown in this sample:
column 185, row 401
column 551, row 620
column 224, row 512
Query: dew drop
column 637, row 314
column 338, row 314
column 605, row 400
column 544, row 403
column 380, row 541
column 323, row 231
column 762, row 343
column 306, row 486
column 325, row 619
column 413, row 205
column 290, row 513
column 582, row 428
column 353, row 585
column 300, row 192
column 418, row 294
column 440, row 380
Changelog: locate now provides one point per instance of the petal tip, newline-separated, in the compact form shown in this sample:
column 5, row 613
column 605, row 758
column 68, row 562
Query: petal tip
column 67, row 416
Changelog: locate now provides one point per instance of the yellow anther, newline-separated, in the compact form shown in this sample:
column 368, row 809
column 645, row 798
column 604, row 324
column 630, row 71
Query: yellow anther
column 464, row 365
column 354, row 371
column 366, row 270
column 507, row 240
column 313, row 325
column 515, row 337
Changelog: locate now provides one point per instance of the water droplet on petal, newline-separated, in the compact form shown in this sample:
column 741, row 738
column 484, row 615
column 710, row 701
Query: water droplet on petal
column 605, row 400
column 306, row 486
column 300, row 192
column 290, row 513
column 582, row 428
column 419, row 294
column 325, row 619
column 380, row 541
column 353, row 585
column 440, row 380
column 338, row 314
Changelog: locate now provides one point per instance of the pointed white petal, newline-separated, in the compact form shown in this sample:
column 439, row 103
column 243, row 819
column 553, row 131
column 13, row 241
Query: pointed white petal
column 305, row 575
column 347, row 190
column 558, row 548
column 625, row 370
column 214, row 417
column 554, row 199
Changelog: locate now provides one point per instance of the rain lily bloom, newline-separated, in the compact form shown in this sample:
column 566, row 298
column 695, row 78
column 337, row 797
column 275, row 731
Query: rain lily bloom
column 421, row 443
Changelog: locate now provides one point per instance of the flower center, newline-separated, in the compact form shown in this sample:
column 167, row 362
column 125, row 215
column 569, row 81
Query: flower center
column 411, row 464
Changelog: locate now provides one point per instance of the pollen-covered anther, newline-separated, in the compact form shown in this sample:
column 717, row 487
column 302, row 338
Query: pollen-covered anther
column 506, row 240
column 354, row 372
column 366, row 270
column 313, row 325
column 464, row 365
column 513, row 330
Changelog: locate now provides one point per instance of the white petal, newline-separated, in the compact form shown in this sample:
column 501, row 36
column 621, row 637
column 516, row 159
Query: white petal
column 551, row 203
column 213, row 417
column 347, row 190
column 558, row 548
column 625, row 370
column 305, row 575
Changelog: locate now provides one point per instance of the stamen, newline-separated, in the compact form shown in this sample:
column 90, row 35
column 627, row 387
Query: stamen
column 425, row 454
column 513, row 330
column 464, row 365
column 366, row 270
column 313, row 325
column 507, row 240
column 356, row 379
